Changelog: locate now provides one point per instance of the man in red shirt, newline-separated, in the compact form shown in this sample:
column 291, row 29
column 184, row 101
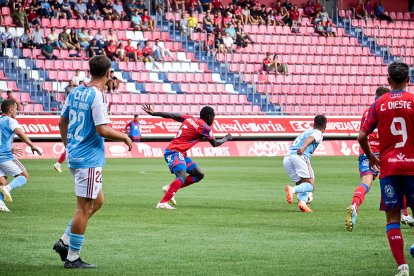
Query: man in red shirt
column 147, row 20
column 130, row 51
column 393, row 116
column 294, row 14
column 190, row 133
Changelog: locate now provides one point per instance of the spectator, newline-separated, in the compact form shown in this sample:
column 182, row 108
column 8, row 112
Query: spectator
column 256, row 14
column 271, row 18
column 208, row 22
column 83, row 38
column 120, row 52
column 77, row 77
column 37, row 37
column 54, row 38
column 113, row 82
column 26, row 40
column 160, row 52
column 65, row 10
column 100, row 39
column 47, row 50
column 140, row 54
column 73, row 39
column 329, row 29
column 130, row 7
column 246, row 17
column 147, row 21
column 320, row 29
column 94, row 49
column 130, row 51
column 286, row 17
column 111, row 51
column 268, row 64
column 118, row 11
column 111, row 36
column 91, row 9
column 7, row 38
column 228, row 43
column 55, row 7
column 295, row 15
column 209, row 44
column 380, row 12
column 238, row 15
column 141, row 7
column 45, row 9
column 70, row 86
column 217, row 5
column 192, row 23
column 11, row 97
column 218, row 20
column 230, row 30
column 281, row 68
column 183, row 24
column 309, row 9
column 20, row 18
column 107, row 11
column 288, row 5
column 87, row 77
column 195, row 5
column 179, row 5
column 278, row 6
column 324, row 15
column 147, row 53
column 136, row 22
column 359, row 11
column 228, row 18
column 369, row 8
column 81, row 10
column 64, row 40
column 206, row 5
column 242, row 39
column 33, row 17
column 219, row 43
column 317, row 6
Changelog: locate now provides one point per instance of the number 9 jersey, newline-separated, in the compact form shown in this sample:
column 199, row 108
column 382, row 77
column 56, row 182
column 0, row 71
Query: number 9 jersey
column 85, row 109
column 393, row 115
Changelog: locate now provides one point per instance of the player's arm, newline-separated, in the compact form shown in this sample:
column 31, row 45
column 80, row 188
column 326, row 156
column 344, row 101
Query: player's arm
column 111, row 134
column 306, row 143
column 364, row 144
column 175, row 116
column 26, row 140
column 63, row 128
column 218, row 142
column 128, row 126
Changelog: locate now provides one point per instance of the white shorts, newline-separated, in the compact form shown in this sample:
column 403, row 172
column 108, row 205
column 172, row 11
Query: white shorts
column 297, row 167
column 12, row 167
column 88, row 182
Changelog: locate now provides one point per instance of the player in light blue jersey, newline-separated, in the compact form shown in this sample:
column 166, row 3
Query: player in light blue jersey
column 9, row 165
column 297, row 163
column 83, row 126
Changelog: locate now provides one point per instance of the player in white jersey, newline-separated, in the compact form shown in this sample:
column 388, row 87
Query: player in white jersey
column 297, row 163
column 9, row 165
column 83, row 126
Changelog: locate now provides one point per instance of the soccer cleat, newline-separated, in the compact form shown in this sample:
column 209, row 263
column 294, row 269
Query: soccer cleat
column 412, row 250
column 304, row 208
column 290, row 192
column 58, row 167
column 61, row 249
column 172, row 200
column 351, row 216
column 3, row 207
column 6, row 194
column 407, row 220
column 78, row 263
column 403, row 270
column 164, row 205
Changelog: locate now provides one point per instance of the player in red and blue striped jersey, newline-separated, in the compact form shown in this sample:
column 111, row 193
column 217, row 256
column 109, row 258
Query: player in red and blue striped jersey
column 190, row 133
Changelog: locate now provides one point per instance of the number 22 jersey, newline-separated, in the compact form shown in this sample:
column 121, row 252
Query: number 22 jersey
column 393, row 115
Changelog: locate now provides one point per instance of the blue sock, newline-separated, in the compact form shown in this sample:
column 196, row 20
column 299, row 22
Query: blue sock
column 17, row 182
column 67, row 231
column 303, row 197
column 303, row 188
column 1, row 197
column 75, row 242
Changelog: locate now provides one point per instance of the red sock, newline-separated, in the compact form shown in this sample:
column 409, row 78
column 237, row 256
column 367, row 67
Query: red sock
column 62, row 157
column 359, row 194
column 395, row 239
column 174, row 186
column 405, row 211
column 189, row 180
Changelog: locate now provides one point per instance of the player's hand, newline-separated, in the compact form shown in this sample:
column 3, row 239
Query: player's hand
column 17, row 151
column 228, row 137
column 128, row 142
column 300, row 151
column 34, row 149
column 147, row 108
column 374, row 162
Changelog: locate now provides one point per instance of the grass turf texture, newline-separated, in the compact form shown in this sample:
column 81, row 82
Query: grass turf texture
column 235, row 222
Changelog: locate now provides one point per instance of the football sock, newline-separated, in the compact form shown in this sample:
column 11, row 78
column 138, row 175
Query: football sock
column 1, row 197
column 75, row 245
column 405, row 210
column 303, row 197
column 303, row 188
column 189, row 180
column 16, row 183
column 62, row 158
column 174, row 186
column 395, row 239
column 359, row 194
column 65, row 237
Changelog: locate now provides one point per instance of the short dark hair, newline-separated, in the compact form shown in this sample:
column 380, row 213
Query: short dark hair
column 99, row 65
column 398, row 72
column 207, row 112
column 136, row 115
column 320, row 121
column 381, row 91
column 6, row 105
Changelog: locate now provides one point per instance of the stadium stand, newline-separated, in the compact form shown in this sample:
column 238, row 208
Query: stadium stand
column 331, row 75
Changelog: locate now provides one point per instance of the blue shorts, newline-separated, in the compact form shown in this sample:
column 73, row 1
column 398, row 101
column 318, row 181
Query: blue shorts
column 177, row 162
column 393, row 190
column 364, row 167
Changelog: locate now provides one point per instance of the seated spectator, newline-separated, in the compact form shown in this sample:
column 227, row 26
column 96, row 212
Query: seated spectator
column 81, row 10
column 318, row 18
column 160, row 52
column 130, row 8
column 113, row 82
column 120, row 52
column 94, row 49
column 242, row 39
column 230, row 30
column 112, row 36
column 77, row 77
column 141, row 6
column 288, row 5
column 55, row 7
column 147, row 53
column 295, row 15
column 65, row 10
column 26, row 40
column 7, row 38
column 130, row 51
column 246, row 16
column 64, row 40
column 359, row 11
column 195, row 5
column 118, row 11
column 111, row 51
column 228, row 18
column 47, row 50
column 20, row 18
column 206, row 5
column 73, row 39
column 179, row 5
column 228, row 43
column 380, row 12
column 83, row 38
column 209, row 44
column 329, row 28
column 278, row 6
column 286, row 17
column 281, row 68
column 320, row 29
column 309, row 10
column 70, row 86
column 268, row 64
column 192, row 23
column 91, row 8
column 54, row 38
column 136, row 22
column 147, row 21
column 256, row 14
column 317, row 6
column 33, row 17
column 238, row 15
column 271, row 18
column 324, row 15
column 45, row 9
column 100, row 39
column 11, row 97
column 107, row 11
column 87, row 77
column 218, row 21
column 217, row 5
column 37, row 37
column 208, row 22
column 219, row 43
column 369, row 8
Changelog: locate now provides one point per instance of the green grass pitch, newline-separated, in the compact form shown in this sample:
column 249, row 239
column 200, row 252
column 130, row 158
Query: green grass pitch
column 235, row 222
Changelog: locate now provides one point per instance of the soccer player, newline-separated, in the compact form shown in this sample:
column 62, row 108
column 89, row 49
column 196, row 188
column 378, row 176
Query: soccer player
column 190, row 133
column 297, row 163
column 393, row 116
column 58, row 164
column 83, row 126
column 133, row 129
column 9, row 165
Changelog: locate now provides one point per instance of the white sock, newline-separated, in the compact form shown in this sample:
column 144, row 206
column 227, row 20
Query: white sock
column 65, row 239
column 403, row 266
column 7, row 188
column 72, row 255
column 57, row 164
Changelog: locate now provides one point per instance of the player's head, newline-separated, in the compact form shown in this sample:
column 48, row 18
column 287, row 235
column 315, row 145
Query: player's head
column 381, row 91
column 136, row 116
column 9, row 108
column 398, row 75
column 320, row 122
column 99, row 67
column 207, row 114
